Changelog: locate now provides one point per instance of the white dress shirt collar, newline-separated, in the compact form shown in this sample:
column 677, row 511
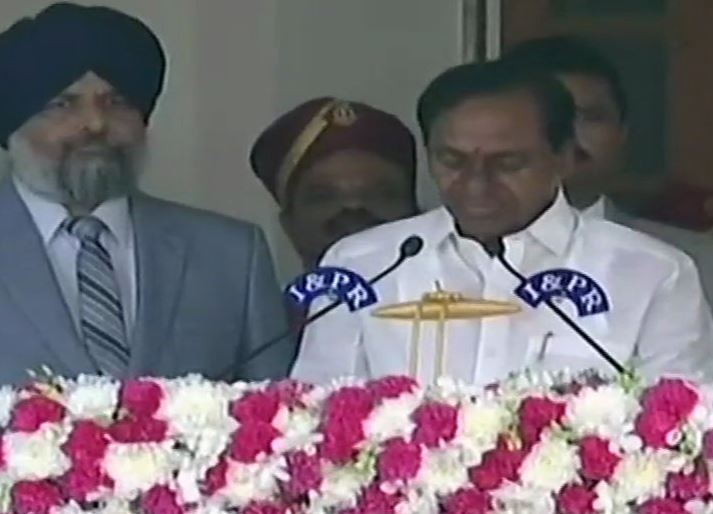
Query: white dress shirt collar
column 597, row 210
column 554, row 228
column 49, row 215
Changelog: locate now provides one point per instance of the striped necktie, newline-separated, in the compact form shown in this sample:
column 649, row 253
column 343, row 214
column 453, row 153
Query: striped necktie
column 100, row 311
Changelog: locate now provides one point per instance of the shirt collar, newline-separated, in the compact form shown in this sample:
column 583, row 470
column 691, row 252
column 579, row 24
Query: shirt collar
column 553, row 229
column 49, row 215
column 597, row 210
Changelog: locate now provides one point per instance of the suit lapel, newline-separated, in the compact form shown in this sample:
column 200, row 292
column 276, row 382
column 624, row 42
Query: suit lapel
column 27, row 276
column 160, row 263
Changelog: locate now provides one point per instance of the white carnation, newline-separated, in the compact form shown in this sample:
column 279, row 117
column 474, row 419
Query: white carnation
column 298, row 428
column 70, row 508
column 115, row 506
column 36, row 455
column 606, row 411
column 442, row 471
column 7, row 400
column 341, row 485
column 640, row 476
column 417, row 502
column 479, row 425
column 515, row 499
column 551, row 464
column 137, row 467
column 92, row 397
column 392, row 418
column 247, row 482
column 193, row 404
column 208, row 509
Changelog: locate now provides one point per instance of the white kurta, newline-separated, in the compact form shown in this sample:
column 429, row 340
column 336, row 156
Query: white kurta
column 658, row 318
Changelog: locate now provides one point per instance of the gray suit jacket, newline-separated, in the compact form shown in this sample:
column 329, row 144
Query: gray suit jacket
column 698, row 246
column 207, row 298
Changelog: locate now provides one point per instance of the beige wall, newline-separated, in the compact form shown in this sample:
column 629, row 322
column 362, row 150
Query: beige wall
column 235, row 64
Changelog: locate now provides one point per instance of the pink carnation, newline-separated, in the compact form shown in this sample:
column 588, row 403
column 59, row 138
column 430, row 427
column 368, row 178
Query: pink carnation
column 435, row 423
column 686, row 487
column 291, row 392
column 497, row 466
column 252, row 439
column 343, row 426
column 598, row 463
column 264, row 508
column 31, row 413
column 2, row 452
column 672, row 396
column 141, row 398
column 216, row 478
column 653, row 426
column 468, row 501
column 83, row 480
column 575, row 499
column 305, row 474
column 135, row 430
column 661, row 506
column 160, row 500
column 398, row 461
column 375, row 501
column 35, row 497
column 391, row 387
column 256, row 406
column 87, row 443
column 536, row 414
column 354, row 403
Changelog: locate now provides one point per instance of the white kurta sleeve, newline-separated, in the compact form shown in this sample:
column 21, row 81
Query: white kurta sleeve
column 676, row 336
column 331, row 347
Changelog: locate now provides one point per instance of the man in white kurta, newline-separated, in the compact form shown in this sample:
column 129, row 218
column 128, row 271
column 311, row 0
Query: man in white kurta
column 491, row 161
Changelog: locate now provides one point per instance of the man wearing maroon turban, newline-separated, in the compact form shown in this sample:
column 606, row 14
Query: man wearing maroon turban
column 96, row 277
column 336, row 168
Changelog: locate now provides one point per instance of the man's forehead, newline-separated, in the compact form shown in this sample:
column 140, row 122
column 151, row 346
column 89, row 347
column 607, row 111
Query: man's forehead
column 89, row 83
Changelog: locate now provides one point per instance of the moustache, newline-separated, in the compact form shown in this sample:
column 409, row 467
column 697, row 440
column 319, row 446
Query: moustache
column 351, row 221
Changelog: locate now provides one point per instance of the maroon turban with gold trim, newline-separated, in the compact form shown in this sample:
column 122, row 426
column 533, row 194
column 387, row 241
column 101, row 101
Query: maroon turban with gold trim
column 323, row 126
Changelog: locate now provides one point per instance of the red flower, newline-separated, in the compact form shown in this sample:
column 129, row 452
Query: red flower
column 2, row 452
column 435, row 423
column 141, row 398
column 160, row 500
column 670, row 395
column 252, row 439
column 290, row 392
column 598, row 463
column 82, row 480
column 264, row 508
column 35, row 497
column 536, row 414
column 575, row 499
column 375, row 501
column 135, row 430
column 305, row 474
column 708, row 444
column 686, row 487
column 661, row 506
column 31, row 413
column 216, row 478
column 398, row 460
column 256, row 406
column 391, row 387
column 343, row 427
column 653, row 426
column 468, row 501
column 497, row 465
column 86, row 444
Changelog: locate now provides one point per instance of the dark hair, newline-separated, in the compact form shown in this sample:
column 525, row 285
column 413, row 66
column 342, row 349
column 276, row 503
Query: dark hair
column 467, row 81
column 569, row 54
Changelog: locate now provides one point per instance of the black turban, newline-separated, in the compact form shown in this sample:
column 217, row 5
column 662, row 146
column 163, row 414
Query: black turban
column 42, row 56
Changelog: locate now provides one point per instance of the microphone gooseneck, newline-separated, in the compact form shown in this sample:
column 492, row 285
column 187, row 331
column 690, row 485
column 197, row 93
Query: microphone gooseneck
column 410, row 247
column 495, row 248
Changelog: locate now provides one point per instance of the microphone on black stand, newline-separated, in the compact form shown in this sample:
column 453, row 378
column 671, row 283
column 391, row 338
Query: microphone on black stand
column 495, row 248
column 410, row 247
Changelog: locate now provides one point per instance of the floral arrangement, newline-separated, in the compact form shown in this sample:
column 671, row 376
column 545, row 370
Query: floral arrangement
column 531, row 444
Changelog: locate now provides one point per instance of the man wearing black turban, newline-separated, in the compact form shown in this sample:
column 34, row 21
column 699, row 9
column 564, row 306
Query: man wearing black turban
column 96, row 277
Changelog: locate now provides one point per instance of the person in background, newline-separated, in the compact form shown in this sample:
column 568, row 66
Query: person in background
column 95, row 276
column 601, row 131
column 335, row 168
column 499, row 140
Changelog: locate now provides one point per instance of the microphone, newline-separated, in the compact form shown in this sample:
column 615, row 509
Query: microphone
column 410, row 247
column 495, row 248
